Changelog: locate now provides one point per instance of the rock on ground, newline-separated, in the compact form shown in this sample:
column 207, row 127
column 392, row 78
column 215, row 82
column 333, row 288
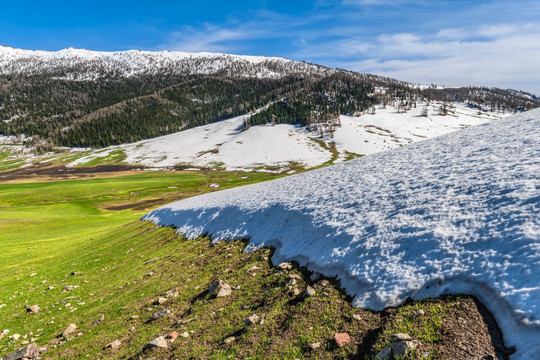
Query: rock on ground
column 114, row 345
column 32, row 309
column 341, row 339
column 160, row 314
column 28, row 352
column 219, row 288
column 285, row 266
column 69, row 330
column 400, row 346
column 157, row 342
column 252, row 320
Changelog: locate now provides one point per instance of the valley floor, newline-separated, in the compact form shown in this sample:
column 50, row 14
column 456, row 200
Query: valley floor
column 75, row 249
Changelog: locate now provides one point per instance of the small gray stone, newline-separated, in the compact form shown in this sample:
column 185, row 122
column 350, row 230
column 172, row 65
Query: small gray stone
column 157, row 342
column 32, row 309
column 285, row 266
column 308, row 292
column 160, row 314
column 99, row 321
column 402, row 348
column 28, row 352
column 69, row 330
column 400, row 337
column 384, row 354
column 252, row 320
column 219, row 288
column 114, row 345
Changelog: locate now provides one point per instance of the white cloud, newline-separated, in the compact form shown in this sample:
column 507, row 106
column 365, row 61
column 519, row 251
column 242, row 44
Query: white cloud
column 211, row 39
column 497, row 55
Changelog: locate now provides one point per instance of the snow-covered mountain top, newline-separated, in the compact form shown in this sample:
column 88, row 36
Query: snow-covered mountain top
column 82, row 64
column 454, row 214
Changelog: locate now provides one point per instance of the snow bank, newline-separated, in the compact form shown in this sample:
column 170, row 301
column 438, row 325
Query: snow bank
column 454, row 214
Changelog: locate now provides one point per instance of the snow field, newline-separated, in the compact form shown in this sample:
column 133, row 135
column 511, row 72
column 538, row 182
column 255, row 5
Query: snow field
column 454, row 214
column 225, row 144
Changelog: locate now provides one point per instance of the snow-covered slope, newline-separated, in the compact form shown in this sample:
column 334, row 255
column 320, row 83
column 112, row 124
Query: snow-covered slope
column 225, row 144
column 81, row 64
column 454, row 214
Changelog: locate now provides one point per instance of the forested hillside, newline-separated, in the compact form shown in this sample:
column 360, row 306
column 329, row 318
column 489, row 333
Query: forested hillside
column 80, row 98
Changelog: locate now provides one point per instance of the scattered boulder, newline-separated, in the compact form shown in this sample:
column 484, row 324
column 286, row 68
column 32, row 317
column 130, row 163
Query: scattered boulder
column 71, row 287
column 418, row 313
column 160, row 314
column 158, row 342
column 99, row 321
column 162, row 300
column 129, row 251
column 400, row 337
column 172, row 293
column 400, row 346
column 252, row 320
column 16, row 337
column 229, row 340
column 219, row 288
column 357, row 317
column 32, row 309
column 114, row 345
column 295, row 277
column 74, row 273
column 28, row 352
column 341, row 339
column 315, row 346
column 254, row 268
column 285, row 266
column 69, row 330
column 185, row 334
column 324, row 283
column 308, row 292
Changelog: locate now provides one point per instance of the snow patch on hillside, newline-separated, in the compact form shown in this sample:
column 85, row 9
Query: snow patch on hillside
column 454, row 214
column 225, row 143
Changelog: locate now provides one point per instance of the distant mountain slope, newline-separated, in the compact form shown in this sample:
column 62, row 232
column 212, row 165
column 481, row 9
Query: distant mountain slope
column 455, row 214
column 84, row 98
column 280, row 147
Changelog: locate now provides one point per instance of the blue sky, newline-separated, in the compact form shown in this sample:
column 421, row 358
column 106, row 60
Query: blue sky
column 491, row 43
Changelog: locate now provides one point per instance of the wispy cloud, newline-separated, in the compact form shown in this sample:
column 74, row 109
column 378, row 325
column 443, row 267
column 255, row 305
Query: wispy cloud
column 490, row 53
column 503, row 55
column 210, row 38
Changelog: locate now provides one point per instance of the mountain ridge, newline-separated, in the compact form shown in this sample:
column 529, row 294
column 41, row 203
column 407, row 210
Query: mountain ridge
column 82, row 98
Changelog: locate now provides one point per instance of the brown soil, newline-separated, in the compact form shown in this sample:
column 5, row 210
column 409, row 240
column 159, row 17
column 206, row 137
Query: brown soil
column 51, row 172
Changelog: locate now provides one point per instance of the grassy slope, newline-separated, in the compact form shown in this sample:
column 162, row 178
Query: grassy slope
column 52, row 229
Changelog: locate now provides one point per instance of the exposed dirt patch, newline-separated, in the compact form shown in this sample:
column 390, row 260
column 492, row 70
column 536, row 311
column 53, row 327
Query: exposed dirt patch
column 51, row 172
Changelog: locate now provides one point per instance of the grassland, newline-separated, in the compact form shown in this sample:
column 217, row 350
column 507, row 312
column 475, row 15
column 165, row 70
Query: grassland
column 77, row 249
